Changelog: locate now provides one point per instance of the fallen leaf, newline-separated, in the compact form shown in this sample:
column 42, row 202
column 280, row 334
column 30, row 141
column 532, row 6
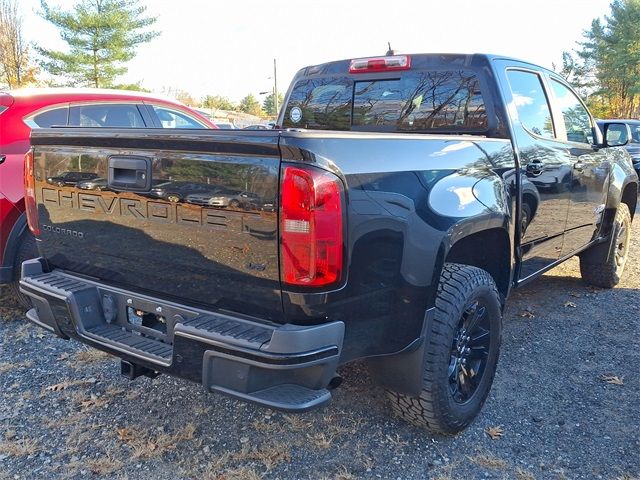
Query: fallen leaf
column 570, row 304
column 57, row 387
column 494, row 432
column 612, row 379
column 526, row 313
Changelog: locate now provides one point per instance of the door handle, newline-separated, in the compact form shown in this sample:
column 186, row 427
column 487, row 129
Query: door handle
column 2, row 159
column 129, row 173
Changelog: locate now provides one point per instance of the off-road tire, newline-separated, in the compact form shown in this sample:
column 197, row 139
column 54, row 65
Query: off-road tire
column 435, row 408
column 602, row 265
column 26, row 251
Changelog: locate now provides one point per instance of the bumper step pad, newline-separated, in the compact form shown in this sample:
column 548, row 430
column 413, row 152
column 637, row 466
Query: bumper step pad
column 158, row 351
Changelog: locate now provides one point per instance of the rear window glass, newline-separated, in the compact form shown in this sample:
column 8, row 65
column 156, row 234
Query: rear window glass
column 437, row 100
column 323, row 104
column 106, row 115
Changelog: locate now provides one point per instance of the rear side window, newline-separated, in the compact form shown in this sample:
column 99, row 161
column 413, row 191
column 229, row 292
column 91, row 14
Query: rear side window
column 421, row 101
column 170, row 118
column 531, row 102
column 106, row 115
column 2, row 109
column 57, row 116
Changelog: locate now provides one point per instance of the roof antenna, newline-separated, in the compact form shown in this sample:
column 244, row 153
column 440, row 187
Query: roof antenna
column 390, row 52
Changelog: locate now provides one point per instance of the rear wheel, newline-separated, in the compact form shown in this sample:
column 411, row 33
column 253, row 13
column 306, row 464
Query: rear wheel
column 461, row 353
column 26, row 251
column 602, row 265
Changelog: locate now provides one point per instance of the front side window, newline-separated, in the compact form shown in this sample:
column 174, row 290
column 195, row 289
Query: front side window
column 56, row 116
column 574, row 115
column 531, row 102
column 106, row 115
column 170, row 118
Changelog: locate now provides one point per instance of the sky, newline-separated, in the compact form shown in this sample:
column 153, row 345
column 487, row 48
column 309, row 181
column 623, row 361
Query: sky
column 227, row 47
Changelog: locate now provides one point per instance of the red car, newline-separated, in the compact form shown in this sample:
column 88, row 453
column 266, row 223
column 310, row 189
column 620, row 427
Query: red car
column 22, row 110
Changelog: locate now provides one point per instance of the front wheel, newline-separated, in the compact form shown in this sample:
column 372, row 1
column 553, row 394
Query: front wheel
column 602, row 265
column 461, row 353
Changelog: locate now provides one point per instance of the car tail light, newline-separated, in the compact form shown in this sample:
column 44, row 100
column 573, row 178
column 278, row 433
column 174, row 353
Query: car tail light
column 30, row 194
column 311, row 230
column 380, row 64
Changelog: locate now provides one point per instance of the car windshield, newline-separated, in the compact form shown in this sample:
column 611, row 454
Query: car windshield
column 417, row 101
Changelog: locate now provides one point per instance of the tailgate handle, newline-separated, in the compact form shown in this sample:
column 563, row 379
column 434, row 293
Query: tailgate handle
column 131, row 174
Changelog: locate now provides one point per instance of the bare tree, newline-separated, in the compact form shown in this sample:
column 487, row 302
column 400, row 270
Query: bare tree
column 15, row 68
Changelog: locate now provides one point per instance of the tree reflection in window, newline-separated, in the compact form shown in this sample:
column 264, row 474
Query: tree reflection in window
column 531, row 102
column 421, row 101
column 576, row 118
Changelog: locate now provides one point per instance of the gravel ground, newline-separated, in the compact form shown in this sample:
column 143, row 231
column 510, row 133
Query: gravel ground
column 565, row 400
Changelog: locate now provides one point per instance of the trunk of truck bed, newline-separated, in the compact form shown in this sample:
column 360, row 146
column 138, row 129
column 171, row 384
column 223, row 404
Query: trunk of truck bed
column 182, row 216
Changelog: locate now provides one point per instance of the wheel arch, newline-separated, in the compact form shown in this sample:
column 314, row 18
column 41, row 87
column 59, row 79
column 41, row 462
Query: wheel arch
column 490, row 250
column 630, row 197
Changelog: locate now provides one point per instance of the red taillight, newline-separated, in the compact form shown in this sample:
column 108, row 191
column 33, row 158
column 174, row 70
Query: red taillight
column 380, row 64
column 311, row 231
column 30, row 194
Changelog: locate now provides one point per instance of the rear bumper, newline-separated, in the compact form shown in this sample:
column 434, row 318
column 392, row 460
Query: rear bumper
column 286, row 367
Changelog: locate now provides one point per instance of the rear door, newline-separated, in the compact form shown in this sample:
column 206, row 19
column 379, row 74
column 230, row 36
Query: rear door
column 545, row 170
column 193, row 252
column 589, row 169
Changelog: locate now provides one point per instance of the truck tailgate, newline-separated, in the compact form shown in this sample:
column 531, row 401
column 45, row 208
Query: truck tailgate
column 188, row 215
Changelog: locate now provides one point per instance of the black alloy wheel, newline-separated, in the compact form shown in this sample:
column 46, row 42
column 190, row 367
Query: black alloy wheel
column 469, row 353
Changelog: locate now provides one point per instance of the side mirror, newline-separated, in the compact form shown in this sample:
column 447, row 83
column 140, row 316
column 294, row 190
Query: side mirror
column 616, row 134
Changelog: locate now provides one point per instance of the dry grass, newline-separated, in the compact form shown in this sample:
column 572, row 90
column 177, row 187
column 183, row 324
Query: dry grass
column 226, row 466
column 104, row 465
column 321, row 440
column 65, row 421
column 91, row 355
column 344, row 474
column 9, row 366
column 88, row 402
column 297, row 423
column 144, row 445
column 22, row 332
column 627, row 476
column 522, row 474
column 242, row 473
column 20, row 447
column 489, row 461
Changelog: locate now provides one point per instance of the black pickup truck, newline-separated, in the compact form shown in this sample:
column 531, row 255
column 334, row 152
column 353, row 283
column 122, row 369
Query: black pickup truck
column 401, row 200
